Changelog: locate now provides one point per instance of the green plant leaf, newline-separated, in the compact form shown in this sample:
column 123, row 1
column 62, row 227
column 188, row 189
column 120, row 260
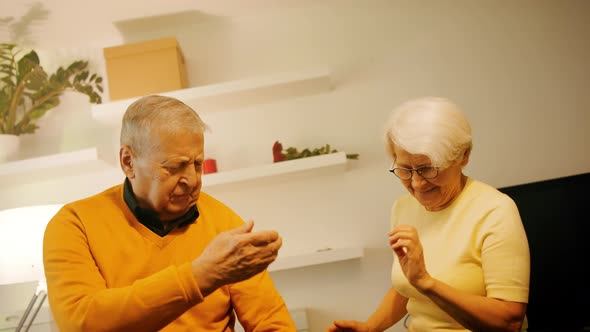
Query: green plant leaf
column 7, row 81
column 40, row 110
column 6, row 68
column 292, row 152
column 37, row 78
column 28, row 128
column 27, row 92
column 27, row 63
column 4, row 104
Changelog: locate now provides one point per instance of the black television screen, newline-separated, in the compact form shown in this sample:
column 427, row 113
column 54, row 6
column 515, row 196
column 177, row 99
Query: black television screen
column 555, row 214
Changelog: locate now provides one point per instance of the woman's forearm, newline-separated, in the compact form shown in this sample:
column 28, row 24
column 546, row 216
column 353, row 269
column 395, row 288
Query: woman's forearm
column 474, row 312
column 390, row 311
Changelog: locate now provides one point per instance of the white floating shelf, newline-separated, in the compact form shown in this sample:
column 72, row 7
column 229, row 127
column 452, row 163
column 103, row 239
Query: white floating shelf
column 330, row 161
column 87, row 162
column 51, row 166
column 322, row 256
column 231, row 95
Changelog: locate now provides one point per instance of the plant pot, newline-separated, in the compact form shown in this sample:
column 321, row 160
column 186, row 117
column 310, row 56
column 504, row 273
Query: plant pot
column 9, row 147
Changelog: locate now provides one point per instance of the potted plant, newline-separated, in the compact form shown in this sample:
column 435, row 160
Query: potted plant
column 280, row 154
column 27, row 92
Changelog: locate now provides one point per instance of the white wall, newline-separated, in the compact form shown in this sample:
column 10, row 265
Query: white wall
column 519, row 69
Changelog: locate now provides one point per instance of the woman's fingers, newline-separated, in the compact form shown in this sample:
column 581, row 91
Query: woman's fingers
column 402, row 243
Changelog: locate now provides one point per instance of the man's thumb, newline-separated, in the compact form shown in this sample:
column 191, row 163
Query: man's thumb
column 245, row 228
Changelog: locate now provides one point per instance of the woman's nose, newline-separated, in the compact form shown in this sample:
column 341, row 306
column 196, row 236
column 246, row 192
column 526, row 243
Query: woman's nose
column 418, row 181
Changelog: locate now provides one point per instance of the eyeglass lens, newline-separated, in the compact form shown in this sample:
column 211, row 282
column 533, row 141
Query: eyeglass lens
column 427, row 172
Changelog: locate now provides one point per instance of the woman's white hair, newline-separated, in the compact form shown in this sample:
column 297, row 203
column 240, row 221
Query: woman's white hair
column 431, row 126
column 154, row 113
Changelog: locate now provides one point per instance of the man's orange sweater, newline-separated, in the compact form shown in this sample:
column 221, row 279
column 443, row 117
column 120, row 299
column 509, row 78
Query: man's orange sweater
column 107, row 272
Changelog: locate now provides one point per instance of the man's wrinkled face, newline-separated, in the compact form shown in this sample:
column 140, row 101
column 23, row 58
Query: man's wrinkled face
column 167, row 178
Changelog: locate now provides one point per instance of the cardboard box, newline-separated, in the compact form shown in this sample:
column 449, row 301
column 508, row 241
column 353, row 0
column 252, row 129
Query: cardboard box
column 144, row 68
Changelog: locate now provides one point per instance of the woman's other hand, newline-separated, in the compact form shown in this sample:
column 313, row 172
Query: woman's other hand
column 348, row 326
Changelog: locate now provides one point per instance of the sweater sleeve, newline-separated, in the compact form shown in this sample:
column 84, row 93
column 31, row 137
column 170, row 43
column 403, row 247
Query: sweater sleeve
column 80, row 299
column 505, row 253
column 259, row 306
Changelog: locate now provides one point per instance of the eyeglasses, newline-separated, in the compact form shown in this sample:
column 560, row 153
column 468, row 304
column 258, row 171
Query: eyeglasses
column 427, row 172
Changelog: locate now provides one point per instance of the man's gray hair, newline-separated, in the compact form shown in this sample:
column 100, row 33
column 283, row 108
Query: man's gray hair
column 150, row 113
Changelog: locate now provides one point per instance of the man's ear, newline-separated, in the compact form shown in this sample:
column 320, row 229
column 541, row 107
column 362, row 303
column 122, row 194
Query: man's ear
column 466, row 156
column 126, row 159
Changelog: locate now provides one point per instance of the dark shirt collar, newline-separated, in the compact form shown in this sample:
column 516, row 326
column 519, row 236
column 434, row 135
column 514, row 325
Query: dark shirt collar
column 150, row 219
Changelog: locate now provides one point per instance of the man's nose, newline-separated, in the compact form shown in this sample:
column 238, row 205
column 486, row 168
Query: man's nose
column 191, row 175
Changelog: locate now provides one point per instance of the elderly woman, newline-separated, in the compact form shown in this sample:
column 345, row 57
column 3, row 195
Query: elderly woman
column 462, row 253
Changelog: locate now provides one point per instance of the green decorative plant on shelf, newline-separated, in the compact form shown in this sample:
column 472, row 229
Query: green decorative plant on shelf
column 27, row 92
column 280, row 154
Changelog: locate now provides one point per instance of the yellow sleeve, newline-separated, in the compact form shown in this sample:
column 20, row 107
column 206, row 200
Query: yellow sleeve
column 79, row 297
column 505, row 254
column 259, row 306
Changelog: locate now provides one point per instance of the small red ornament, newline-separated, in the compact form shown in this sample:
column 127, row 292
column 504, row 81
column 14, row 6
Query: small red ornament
column 209, row 166
column 277, row 154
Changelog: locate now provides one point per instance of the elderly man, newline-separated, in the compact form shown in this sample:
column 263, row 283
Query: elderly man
column 155, row 253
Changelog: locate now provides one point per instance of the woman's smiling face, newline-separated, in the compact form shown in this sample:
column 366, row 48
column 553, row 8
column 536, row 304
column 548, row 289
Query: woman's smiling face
column 437, row 193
